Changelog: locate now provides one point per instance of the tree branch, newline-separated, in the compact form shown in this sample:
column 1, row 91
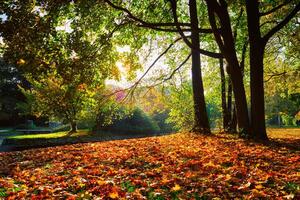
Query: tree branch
column 281, row 24
column 172, row 73
column 134, row 86
column 274, row 75
column 244, row 50
column 148, row 24
column 201, row 51
column 175, row 70
column 156, row 26
column 201, row 30
column 274, row 9
column 212, row 20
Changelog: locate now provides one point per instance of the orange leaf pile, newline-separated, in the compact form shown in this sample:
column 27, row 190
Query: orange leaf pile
column 179, row 166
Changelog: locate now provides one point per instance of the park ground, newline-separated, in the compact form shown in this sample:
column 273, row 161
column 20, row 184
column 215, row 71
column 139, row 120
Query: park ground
column 177, row 166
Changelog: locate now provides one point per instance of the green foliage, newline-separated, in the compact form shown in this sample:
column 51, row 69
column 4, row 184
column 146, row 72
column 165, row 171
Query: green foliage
column 136, row 122
column 181, row 106
column 282, row 106
column 292, row 187
column 180, row 102
column 3, row 192
column 10, row 96
column 161, row 118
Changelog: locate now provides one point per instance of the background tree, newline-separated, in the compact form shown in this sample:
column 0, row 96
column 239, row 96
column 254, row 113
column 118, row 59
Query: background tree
column 10, row 95
column 65, row 64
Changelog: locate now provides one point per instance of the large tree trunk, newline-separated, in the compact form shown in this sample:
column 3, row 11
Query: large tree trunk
column 257, row 94
column 201, row 119
column 257, row 47
column 240, row 101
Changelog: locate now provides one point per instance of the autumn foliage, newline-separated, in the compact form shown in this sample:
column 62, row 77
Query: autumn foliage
column 179, row 166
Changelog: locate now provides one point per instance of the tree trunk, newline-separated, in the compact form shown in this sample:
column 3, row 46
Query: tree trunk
column 257, row 47
column 226, row 44
column 233, row 121
column 257, row 94
column 73, row 127
column 201, row 119
column 229, row 105
column 223, row 97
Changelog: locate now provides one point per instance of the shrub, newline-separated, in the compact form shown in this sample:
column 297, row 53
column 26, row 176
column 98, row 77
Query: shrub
column 137, row 122
column 161, row 119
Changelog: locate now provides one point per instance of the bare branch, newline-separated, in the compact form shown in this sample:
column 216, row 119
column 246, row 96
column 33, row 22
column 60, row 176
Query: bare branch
column 173, row 72
column 134, row 86
column 155, row 61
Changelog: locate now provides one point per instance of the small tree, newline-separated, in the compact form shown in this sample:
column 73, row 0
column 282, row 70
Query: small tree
column 64, row 65
column 54, row 98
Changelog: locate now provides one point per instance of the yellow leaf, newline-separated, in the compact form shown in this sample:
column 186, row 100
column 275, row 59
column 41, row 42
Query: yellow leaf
column 259, row 187
column 113, row 195
column 101, row 182
column 21, row 62
column 164, row 181
column 176, row 188
column 228, row 177
column 32, row 178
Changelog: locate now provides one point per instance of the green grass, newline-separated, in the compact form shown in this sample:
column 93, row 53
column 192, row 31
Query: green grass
column 51, row 135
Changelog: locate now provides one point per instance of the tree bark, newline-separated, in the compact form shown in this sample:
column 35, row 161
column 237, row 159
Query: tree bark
column 73, row 127
column 226, row 44
column 223, row 96
column 233, row 121
column 229, row 104
column 257, row 46
column 201, row 119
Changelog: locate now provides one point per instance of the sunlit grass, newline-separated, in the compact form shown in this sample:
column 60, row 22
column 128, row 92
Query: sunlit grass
column 50, row 135
column 284, row 133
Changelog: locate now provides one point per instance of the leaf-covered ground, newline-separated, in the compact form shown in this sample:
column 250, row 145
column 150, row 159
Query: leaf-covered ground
column 179, row 166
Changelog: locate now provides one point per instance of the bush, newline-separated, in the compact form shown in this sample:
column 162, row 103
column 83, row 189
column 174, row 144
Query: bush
column 161, row 119
column 136, row 122
column 28, row 125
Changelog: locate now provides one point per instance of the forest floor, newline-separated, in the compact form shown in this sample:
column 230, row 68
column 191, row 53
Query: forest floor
column 178, row 166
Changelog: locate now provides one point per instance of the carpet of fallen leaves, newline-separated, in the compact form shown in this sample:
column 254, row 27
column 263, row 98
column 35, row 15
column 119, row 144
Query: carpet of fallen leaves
column 179, row 166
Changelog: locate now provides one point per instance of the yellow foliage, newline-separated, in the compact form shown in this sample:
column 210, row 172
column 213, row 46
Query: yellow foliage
column 176, row 188
column 113, row 195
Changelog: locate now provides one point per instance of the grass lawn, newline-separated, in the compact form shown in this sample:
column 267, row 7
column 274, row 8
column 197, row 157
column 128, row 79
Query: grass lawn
column 284, row 133
column 178, row 166
column 50, row 135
